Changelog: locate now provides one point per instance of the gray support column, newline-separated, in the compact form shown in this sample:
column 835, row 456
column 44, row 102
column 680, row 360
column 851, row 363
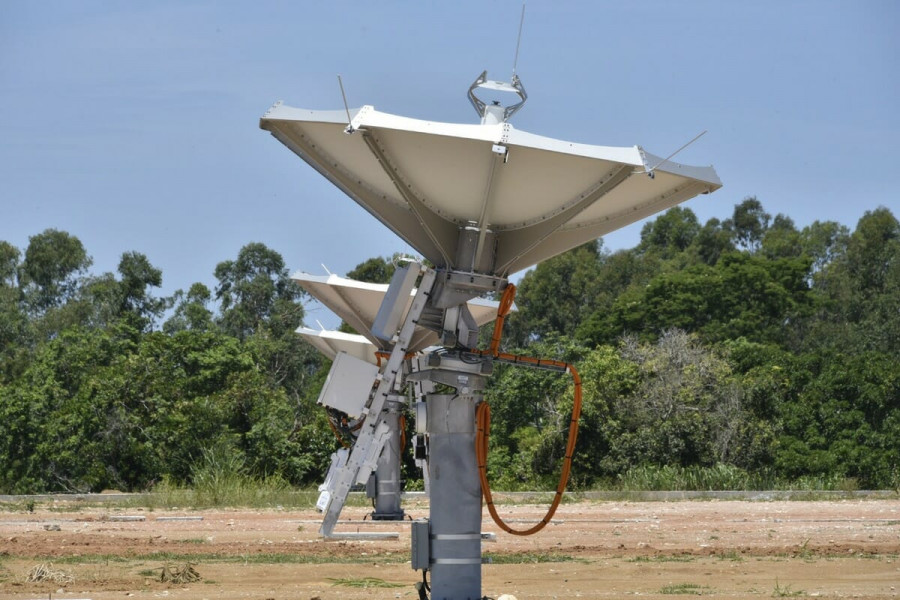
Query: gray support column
column 455, row 515
column 387, row 471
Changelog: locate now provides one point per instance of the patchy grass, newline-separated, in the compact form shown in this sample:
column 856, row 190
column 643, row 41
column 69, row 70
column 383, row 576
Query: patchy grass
column 229, row 490
column 256, row 558
column 523, row 558
column 785, row 591
column 662, row 558
column 733, row 556
column 687, row 589
column 91, row 559
column 28, row 505
column 364, row 582
column 805, row 552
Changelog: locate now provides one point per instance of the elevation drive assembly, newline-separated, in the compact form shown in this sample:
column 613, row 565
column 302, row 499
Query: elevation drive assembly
column 479, row 202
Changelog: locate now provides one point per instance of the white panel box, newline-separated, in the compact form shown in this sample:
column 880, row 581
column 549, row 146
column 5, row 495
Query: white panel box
column 348, row 385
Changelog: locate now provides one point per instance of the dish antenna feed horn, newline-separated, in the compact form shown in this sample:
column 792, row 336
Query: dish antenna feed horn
column 494, row 112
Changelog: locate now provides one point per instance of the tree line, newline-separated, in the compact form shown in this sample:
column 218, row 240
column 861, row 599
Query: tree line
column 747, row 346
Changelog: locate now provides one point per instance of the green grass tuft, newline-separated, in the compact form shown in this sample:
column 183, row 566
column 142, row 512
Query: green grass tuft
column 662, row 558
column 691, row 589
column 364, row 582
column 521, row 558
column 785, row 591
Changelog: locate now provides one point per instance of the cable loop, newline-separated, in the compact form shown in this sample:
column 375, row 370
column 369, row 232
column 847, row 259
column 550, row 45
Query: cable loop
column 483, row 419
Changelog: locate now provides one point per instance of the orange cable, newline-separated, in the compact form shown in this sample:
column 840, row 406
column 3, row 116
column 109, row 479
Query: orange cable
column 506, row 302
column 402, row 433
column 337, row 434
column 483, row 419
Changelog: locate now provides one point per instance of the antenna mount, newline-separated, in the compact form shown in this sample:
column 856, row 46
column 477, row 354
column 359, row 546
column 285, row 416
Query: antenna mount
column 493, row 112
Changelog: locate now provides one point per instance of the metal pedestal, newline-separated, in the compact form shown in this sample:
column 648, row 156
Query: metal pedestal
column 455, row 514
column 386, row 477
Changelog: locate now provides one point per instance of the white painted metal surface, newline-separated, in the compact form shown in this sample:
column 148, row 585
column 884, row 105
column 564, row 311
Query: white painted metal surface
column 329, row 343
column 357, row 303
column 426, row 180
column 348, row 384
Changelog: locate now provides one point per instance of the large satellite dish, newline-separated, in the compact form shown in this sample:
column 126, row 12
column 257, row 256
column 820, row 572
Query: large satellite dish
column 480, row 202
column 483, row 198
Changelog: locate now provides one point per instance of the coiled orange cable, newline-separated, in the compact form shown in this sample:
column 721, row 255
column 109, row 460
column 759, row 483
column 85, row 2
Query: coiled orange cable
column 483, row 420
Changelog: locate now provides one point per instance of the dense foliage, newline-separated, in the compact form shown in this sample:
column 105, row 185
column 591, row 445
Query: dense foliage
column 745, row 347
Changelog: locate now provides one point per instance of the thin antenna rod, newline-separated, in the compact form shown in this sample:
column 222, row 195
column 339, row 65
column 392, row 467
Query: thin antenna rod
column 697, row 137
column 519, row 40
column 346, row 106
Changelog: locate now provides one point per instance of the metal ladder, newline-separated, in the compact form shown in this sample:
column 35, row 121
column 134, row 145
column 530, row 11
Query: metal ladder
column 370, row 442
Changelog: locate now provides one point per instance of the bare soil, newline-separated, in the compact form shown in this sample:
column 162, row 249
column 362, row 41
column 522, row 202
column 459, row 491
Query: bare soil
column 718, row 549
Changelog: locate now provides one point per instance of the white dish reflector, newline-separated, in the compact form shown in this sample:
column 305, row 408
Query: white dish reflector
column 357, row 303
column 330, row 343
column 524, row 197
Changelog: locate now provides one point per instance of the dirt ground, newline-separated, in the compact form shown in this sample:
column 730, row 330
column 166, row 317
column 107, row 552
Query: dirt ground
column 718, row 549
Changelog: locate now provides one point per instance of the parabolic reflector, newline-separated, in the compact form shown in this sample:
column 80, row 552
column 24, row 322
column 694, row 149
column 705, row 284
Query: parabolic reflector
column 357, row 303
column 329, row 343
column 521, row 198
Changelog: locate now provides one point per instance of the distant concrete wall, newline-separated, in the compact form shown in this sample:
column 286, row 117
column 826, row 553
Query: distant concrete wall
column 602, row 496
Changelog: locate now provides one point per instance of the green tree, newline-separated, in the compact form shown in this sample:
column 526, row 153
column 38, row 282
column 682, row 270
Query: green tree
column 374, row 270
column 136, row 304
column 556, row 295
column 14, row 326
column 687, row 409
column 873, row 249
column 844, row 421
column 9, row 264
column 741, row 296
column 857, row 286
column 782, row 240
column 191, row 310
column 54, row 260
column 749, row 223
column 255, row 292
column 670, row 233
column 712, row 241
column 260, row 305
column 823, row 241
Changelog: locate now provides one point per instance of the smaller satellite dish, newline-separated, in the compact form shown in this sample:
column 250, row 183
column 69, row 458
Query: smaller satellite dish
column 357, row 303
column 330, row 343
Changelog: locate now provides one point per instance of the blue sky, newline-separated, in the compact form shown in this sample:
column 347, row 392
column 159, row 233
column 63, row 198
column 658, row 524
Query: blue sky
column 134, row 125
